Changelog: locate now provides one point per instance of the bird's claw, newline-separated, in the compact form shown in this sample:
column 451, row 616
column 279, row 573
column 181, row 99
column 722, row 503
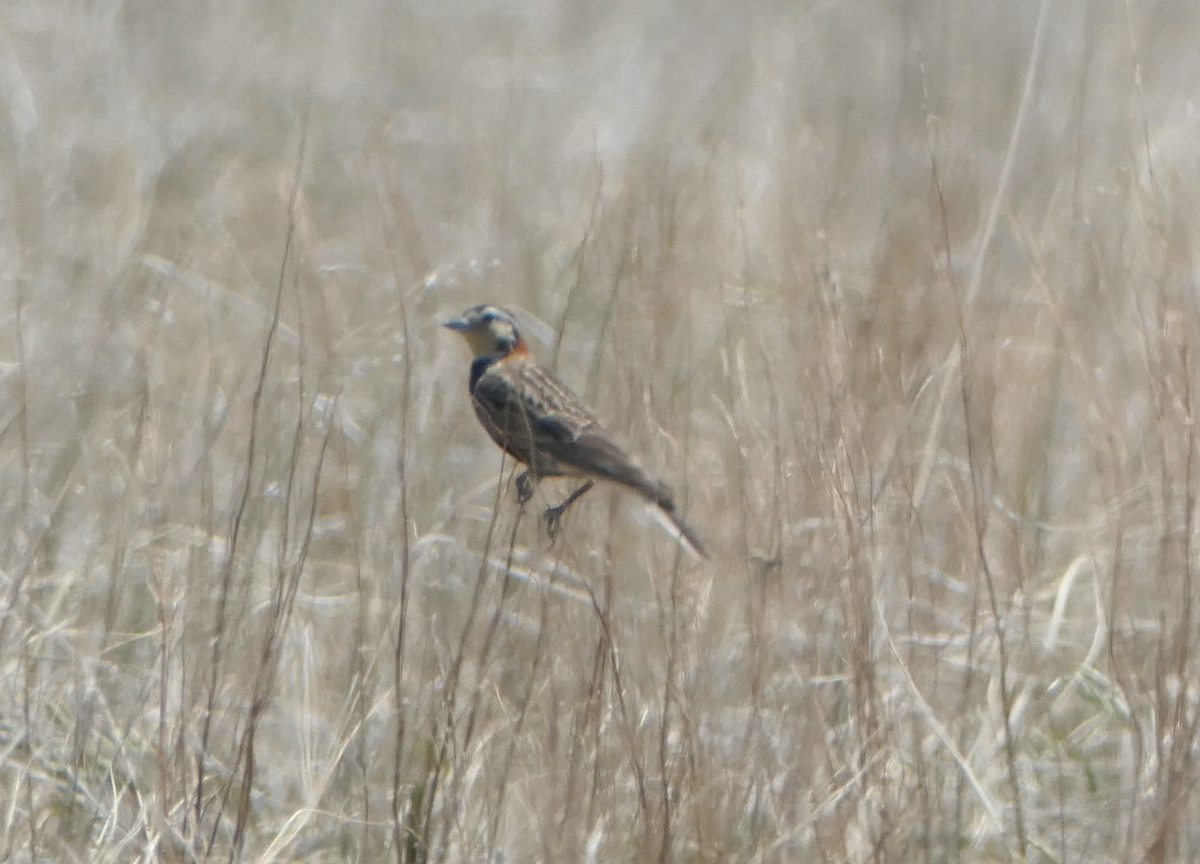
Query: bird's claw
column 524, row 488
column 553, row 515
column 553, row 519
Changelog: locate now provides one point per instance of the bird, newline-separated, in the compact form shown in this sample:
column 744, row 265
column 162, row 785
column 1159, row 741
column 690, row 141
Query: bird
column 537, row 420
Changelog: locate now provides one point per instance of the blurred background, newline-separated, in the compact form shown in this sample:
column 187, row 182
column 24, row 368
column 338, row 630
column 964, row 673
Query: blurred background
column 900, row 296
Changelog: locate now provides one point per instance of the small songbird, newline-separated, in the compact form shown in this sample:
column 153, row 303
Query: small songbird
column 542, row 424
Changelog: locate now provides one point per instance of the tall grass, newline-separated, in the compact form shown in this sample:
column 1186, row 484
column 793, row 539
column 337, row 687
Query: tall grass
column 901, row 298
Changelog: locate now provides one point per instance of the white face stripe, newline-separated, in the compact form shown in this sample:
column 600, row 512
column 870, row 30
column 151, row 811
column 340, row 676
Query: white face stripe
column 503, row 332
column 486, row 314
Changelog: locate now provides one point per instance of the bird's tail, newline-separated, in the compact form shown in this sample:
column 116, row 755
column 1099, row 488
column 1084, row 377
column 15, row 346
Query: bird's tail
column 688, row 532
column 660, row 494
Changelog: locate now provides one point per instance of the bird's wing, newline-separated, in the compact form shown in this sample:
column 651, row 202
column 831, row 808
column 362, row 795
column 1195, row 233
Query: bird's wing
column 576, row 438
column 533, row 415
column 528, row 414
column 567, row 431
column 590, row 449
column 506, row 414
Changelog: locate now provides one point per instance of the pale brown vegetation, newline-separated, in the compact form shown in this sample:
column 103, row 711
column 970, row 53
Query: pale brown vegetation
column 902, row 297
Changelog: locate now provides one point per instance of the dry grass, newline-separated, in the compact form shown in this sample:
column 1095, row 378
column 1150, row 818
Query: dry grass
column 903, row 298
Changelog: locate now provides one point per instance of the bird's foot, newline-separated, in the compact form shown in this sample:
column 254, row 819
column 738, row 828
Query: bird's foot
column 524, row 487
column 553, row 515
column 553, row 519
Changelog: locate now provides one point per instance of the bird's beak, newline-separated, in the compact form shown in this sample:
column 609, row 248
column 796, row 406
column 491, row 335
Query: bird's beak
column 457, row 324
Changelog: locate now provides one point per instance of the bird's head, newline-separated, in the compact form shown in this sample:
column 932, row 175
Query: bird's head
column 489, row 330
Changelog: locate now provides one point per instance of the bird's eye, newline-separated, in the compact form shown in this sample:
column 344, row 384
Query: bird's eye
column 489, row 317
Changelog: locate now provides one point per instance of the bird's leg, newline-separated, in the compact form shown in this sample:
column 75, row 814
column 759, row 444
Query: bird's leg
column 524, row 487
column 554, row 514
